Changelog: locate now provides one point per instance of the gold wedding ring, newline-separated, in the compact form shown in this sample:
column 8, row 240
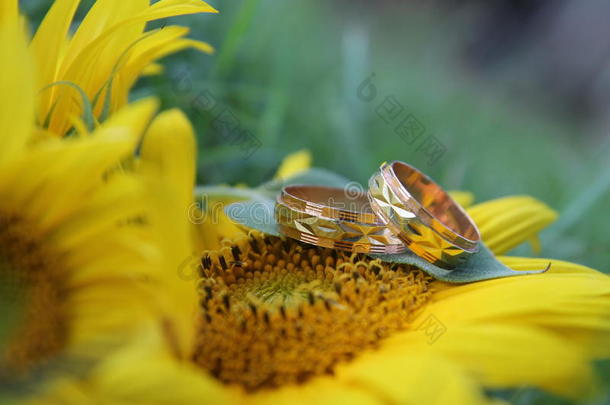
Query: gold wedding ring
column 402, row 209
column 333, row 218
column 421, row 214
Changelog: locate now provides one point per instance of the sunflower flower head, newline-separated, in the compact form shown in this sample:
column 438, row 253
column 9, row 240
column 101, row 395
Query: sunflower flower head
column 30, row 274
column 55, row 232
column 275, row 320
column 277, row 312
column 64, row 208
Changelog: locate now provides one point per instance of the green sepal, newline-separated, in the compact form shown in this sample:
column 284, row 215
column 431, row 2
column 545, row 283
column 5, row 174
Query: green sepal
column 88, row 117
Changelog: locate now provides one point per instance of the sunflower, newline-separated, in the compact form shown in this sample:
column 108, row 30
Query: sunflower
column 269, row 320
column 105, row 55
column 71, row 262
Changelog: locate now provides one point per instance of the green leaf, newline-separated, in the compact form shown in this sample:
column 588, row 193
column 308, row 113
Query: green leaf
column 482, row 265
column 255, row 214
column 259, row 214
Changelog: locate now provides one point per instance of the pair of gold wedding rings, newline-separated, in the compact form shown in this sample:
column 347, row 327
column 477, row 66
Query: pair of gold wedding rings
column 402, row 209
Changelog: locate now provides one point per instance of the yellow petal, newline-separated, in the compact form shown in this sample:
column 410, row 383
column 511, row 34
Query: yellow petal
column 181, row 7
column 507, row 222
column 104, row 21
column 17, row 84
column 9, row 11
column 153, row 69
column 103, row 16
column 507, row 354
column 48, row 44
column 76, row 167
column 121, row 377
column 102, row 41
column 293, row 164
column 168, row 162
column 411, row 378
column 136, row 116
column 589, row 323
column 549, row 292
column 546, row 327
column 170, row 144
column 141, row 374
column 153, row 46
column 321, row 391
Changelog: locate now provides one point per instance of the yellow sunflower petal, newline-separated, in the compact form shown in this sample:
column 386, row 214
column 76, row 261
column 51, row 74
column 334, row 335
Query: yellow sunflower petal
column 293, row 164
column 110, row 32
column 103, row 213
column 154, row 46
column 565, row 289
column 507, row 354
column 545, row 328
column 140, row 374
column 104, row 20
column 411, row 378
column 181, row 7
column 592, row 328
column 121, row 379
column 105, row 15
column 170, row 143
column 137, row 116
column 9, row 11
column 94, row 157
column 153, row 69
column 168, row 160
column 50, row 38
column 507, row 222
column 16, row 82
column 321, row 391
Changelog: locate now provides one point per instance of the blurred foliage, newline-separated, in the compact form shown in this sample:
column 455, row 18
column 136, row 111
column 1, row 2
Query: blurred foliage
column 290, row 71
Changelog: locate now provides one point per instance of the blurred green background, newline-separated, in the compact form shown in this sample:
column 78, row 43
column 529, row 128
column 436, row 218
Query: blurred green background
column 484, row 80
column 516, row 93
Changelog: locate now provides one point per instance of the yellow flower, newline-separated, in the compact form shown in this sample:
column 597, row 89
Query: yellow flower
column 106, row 54
column 294, row 164
column 264, row 320
column 171, row 178
column 72, row 260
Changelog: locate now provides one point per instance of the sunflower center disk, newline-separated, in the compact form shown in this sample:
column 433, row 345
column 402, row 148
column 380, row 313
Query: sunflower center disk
column 278, row 312
column 32, row 323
